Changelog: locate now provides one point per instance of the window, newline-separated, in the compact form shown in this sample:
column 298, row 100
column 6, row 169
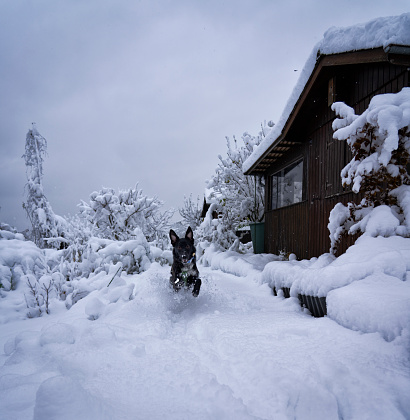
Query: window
column 287, row 186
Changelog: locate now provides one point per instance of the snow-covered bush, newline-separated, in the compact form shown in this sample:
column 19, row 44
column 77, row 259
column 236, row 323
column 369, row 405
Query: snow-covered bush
column 43, row 276
column 134, row 255
column 47, row 229
column 237, row 199
column 242, row 196
column 9, row 232
column 17, row 259
column 191, row 212
column 92, row 255
column 23, row 267
column 74, row 260
column 161, row 256
column 380, row 142
column 116, row 216
column 41, row 291
column 218, row 231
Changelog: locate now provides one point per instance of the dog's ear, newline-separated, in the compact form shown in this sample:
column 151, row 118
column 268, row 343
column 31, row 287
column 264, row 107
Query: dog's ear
column 174, row 237
column 189, row 234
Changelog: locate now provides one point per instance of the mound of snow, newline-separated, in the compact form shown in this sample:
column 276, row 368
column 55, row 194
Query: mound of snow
column 19, row 258
column 378, row 303
column 63, row 398
column 318, row 276
column 233, row 262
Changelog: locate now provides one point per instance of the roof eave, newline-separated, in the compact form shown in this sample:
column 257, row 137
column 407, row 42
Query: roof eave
column 379, row 54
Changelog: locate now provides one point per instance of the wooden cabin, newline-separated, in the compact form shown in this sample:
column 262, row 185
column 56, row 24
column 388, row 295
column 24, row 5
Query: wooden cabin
column 302, row 164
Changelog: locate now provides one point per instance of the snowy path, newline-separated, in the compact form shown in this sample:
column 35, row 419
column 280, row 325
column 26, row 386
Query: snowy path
column 235, row 352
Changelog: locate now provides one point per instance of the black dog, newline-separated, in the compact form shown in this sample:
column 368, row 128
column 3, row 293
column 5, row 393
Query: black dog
column 184, row 271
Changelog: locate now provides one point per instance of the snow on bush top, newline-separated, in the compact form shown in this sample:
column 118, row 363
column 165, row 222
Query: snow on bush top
column 380, row 32
column 18, row 258
column 389, row 113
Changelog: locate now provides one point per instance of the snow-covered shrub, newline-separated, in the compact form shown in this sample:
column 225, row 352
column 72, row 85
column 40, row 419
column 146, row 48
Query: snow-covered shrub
column 161, row 256
column 116, row 216
column 47, row 228
column 239, row 198
column 41, row 291
column 220, row 231
column 380, row 142
column 44, row 276
column 134, row 255
column 239, row 195
column 100, row 254
column 74, row 260
column 191, row 212
column 9, row 232
column 17, row 259
column 26, row 269
column 107, row 284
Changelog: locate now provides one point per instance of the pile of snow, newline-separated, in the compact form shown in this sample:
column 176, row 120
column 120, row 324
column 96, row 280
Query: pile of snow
column 110, row 286
column 17, row 259
column 232, row 262
column 135, row 350
column 380, row 32
column 26, row 284
column 8, row 232
column 367, row 288
column 378, row 303
column 162, row 256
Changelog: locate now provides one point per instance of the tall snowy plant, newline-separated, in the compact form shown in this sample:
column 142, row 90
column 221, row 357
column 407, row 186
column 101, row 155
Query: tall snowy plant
column 380, row 142
column 39, row 211
column 236, row 198
column 241, row 196
column 191, row 212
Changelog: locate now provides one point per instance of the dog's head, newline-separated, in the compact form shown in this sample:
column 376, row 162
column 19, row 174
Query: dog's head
column 184, row 249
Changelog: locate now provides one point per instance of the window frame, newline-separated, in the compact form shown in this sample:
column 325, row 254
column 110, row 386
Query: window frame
column 276, row 201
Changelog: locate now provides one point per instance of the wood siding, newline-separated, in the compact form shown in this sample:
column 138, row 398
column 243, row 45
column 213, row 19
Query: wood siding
column 302, row 228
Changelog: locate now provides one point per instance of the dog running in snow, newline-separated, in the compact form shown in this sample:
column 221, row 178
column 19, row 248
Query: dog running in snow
column 184, row 272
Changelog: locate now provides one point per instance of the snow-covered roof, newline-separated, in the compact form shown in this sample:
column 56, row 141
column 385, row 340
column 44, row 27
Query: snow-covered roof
column 381, row 32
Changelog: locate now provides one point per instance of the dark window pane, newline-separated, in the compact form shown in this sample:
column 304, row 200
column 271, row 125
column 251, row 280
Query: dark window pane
column 287, row 186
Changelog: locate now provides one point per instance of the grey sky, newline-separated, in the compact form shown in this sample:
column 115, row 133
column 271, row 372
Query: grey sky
column 146, row 91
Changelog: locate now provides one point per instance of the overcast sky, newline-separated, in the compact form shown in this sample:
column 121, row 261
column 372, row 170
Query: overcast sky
column 145, row 92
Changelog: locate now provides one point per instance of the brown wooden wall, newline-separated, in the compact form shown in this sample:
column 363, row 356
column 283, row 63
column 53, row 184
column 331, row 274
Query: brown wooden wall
column 302, row 228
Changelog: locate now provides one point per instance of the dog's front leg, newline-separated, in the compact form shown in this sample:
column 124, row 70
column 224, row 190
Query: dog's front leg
column 174, row 280
column 197, row 287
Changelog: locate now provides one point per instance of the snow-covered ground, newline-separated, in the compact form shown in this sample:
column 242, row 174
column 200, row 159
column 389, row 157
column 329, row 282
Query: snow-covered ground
column 235, row 352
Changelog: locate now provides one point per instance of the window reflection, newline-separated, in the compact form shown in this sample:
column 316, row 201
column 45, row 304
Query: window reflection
column 287, row 186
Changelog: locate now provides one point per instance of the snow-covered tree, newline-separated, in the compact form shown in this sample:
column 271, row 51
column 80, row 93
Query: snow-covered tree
column 217, row 231
column 242, row 195
column 46, row 226
column 380, row 142
column 240, row 198
column 116, row 216
column 236, row 198
column 191, row 212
